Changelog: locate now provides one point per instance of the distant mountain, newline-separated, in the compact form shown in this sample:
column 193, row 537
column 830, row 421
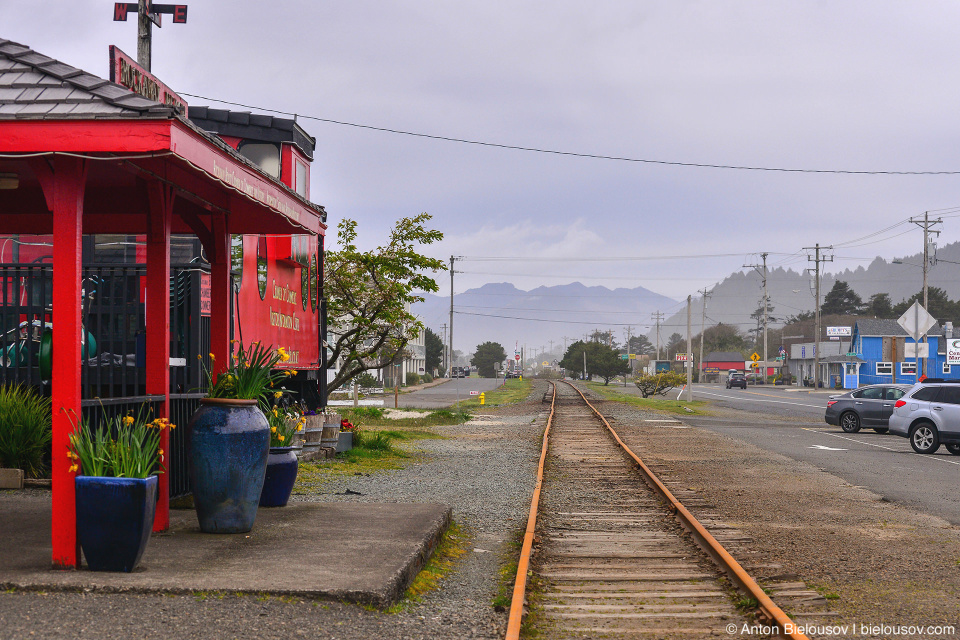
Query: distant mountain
column 739, row 294
column 500, row 312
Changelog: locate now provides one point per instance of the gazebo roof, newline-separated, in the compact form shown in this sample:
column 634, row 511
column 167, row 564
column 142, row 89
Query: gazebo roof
column 48, row 107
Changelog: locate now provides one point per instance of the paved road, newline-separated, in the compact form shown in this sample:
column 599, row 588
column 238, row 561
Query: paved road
column 791, row 423
column 446, row 394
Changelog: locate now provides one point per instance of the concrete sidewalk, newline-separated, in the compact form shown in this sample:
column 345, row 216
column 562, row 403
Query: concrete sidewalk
column 364, row 553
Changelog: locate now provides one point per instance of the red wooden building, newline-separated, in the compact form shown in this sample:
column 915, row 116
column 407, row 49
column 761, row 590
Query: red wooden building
column 81, row 155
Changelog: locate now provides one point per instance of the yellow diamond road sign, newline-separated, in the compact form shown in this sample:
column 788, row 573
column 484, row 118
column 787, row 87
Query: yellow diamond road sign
column 755, row 357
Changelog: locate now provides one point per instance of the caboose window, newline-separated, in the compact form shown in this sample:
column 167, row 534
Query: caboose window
column 301, row 178
column 305, row 285
column 236, row 260
column 265, row 156
column 314, row 282
column 262, row 265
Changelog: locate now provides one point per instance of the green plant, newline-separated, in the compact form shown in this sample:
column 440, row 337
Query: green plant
column 366, row 381
column 25, row 430
column 412, row 378
column 125, row 447
column 251, row 376
column 425, row 378
column 285, row 422
column 372, row 440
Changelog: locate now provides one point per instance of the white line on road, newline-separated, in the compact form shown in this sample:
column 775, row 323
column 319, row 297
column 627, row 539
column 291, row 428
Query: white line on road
column 824, row 448
column 870, row 444
column 797, row 404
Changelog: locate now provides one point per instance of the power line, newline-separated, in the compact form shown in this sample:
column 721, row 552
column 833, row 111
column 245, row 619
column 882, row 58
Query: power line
column 592, row 156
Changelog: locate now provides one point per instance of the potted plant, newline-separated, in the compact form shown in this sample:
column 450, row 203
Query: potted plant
column 230, row 440
column 345, row 439
column 282, row 462
column 116, row 489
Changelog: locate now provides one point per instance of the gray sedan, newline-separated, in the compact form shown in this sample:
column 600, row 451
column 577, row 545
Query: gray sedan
column 869, row 406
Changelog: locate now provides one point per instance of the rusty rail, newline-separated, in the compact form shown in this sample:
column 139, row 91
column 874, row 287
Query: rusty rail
column 770, row 612
column 523, row 564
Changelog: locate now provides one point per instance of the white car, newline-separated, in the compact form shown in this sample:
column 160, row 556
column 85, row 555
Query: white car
column 929, row 414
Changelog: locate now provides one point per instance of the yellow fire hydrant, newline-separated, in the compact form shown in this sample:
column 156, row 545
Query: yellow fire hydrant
column 482, row 398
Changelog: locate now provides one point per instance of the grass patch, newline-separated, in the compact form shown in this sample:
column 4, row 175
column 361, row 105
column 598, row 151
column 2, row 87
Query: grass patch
column 661, row 404
column 507, row 574
column 364, row 417
column 512, row 391
column 452, row 547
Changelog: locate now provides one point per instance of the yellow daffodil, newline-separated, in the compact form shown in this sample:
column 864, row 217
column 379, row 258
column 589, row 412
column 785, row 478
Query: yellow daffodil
column 73, row 468
column 160, row 452
column 278, row 394
column 128, row 420
column 273, row 429
column 280, row 438
column 212, row 357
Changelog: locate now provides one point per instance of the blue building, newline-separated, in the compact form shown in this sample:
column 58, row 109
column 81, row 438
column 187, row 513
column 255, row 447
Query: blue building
column 888, row 354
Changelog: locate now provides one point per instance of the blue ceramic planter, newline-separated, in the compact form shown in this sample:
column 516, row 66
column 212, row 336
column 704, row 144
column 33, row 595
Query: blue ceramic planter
column 281, row 474
column 229, row 442
column 114, row 520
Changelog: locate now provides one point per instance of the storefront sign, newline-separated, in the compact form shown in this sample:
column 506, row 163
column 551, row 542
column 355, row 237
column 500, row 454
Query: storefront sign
column 839, row 331
column 953, row 351
column 124, row 71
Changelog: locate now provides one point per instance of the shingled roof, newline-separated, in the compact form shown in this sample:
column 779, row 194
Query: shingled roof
column 886, row 328
column 34, row 86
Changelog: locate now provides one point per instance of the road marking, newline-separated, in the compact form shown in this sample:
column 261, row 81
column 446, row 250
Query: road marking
column 796, row 404
column 820, row 446
column 870, row 444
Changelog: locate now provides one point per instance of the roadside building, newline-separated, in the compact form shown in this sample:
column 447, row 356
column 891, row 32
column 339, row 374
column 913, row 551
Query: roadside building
column 716, row 365
column 890, row 355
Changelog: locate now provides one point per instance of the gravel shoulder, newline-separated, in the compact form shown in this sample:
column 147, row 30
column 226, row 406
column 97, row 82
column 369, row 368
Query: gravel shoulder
column 484, row 469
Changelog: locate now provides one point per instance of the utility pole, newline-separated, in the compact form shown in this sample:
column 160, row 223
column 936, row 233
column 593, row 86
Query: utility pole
column 703, row 322
column 817, row 258
column 689, row 392
column 446, row 361
column 452, row 259
column 658, row 316
column 926, row 223
column 766, row 303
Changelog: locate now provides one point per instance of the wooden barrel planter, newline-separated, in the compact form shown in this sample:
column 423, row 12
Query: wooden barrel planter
column 330, row 435
column 312, row 431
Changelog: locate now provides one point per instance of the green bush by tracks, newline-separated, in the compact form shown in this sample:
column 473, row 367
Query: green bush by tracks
column 666, row 405
column 25, row 430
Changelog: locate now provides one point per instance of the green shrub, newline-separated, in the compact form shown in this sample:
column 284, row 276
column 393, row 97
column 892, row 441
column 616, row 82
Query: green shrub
column 372, row 441
column 26, row 430
column 412, row 378
column 366, row 381
column 367, row 412
column 425, row 378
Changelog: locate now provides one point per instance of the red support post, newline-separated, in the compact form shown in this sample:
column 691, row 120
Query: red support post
column 220, row 291
column 66, row 183
column 158, row 327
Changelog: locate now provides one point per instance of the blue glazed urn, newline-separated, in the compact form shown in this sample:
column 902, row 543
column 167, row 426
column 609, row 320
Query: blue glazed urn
column 229, row 444
column 114, row 520
column 281, row 475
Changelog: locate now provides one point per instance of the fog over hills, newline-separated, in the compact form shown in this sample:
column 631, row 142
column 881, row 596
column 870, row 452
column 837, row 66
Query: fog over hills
column 564, row 313
column 791, row 292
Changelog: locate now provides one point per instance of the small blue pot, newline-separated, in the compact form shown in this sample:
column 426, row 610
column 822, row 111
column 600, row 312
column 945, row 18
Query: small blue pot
column 115, row 520
column 281, row 475
column 229, row 442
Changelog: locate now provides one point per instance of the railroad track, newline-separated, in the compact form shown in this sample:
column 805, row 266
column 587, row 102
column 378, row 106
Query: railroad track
column 611, row 561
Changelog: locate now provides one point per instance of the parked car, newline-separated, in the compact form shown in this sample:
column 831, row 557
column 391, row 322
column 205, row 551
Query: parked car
column 736, row 380
column 869, row 406
column 929, row 415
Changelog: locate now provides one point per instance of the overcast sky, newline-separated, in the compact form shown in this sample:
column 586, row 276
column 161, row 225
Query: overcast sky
column 862, row 86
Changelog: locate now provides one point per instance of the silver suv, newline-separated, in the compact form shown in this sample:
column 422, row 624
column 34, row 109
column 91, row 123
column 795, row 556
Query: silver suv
column 929, row 414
